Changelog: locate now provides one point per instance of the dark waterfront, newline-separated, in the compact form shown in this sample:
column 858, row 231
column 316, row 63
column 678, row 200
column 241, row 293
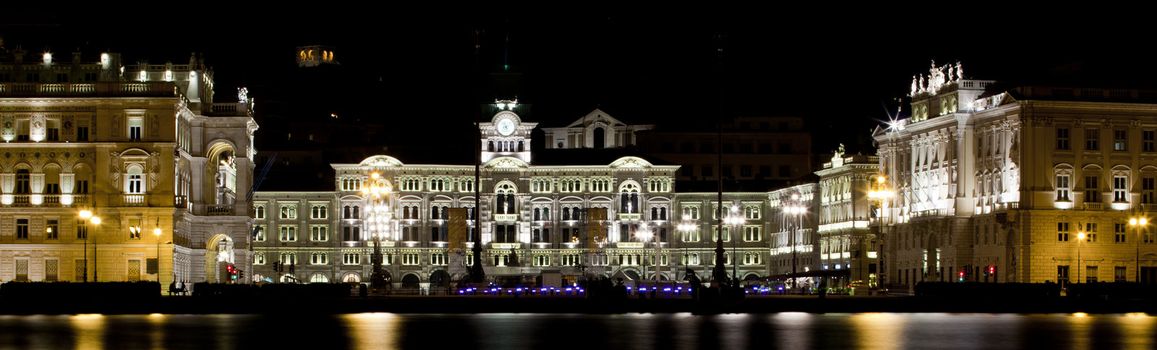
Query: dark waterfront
column 790, row 330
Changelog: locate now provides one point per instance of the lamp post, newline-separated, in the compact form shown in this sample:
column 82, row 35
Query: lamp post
column 1137, row 222
column 879, row 195
column 157, row 235
column 795, row 211
column 686, row 226
column 736, row 221
column 1080, row 237
column 87, row 217
column 644, row 234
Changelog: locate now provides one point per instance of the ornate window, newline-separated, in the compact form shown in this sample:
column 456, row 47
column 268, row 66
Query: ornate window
column 751, row 211
column 351, row 259
column 135, row 179
column 690, row 212
column 1120, row 188
column 504, row 199
column 259, row 211
column 1063, row 185
column 289, row 211
column 629, row 197
column 288, row 233
column 659, row 185
column 319, row 233
column 540, row 185
column 318, row 211
column 319, row 259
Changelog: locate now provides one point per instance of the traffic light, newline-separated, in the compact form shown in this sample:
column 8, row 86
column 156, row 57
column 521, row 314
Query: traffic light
column 241, row 274
column 961, row 274
column 276, row 266
column 232, row 270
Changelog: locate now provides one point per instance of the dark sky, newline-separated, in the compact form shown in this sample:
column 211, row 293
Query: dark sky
column 414, row 66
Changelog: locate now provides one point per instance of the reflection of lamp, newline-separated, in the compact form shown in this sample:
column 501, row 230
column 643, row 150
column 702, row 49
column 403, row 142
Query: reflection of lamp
column 1137, row 222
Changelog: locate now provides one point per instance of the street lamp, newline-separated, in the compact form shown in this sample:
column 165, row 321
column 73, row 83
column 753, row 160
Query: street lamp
column 87, row 216
column 1137, row 222
column 796, row 211
column 644, row 234
column 736, row 220
column 157, row 235
column 686, row 226
column 879, row 195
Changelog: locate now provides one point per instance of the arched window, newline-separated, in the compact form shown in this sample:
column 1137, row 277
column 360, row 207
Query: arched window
column 566, row 213
column 537, row 214
column 663, row 213
column 346, row 213
column 629, row 197
column 504, row 199
column 434, row 212
column 546, row 213
column 654, row 213
column 135, row 179
column 357, row 213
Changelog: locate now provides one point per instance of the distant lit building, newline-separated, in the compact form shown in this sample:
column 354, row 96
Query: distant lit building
column 141, row 147
column 596, row 130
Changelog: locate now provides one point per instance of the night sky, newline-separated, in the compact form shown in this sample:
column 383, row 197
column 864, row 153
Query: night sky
column 841, row 71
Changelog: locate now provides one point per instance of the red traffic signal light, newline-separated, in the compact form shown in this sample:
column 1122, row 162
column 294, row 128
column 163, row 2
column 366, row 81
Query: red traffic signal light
column 991, row 269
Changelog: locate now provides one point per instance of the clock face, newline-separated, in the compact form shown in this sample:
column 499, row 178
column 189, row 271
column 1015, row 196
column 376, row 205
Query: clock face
column 505, row 127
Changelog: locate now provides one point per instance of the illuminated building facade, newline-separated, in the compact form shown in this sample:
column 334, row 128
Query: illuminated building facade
column 159, row 170
column 1013, row 185
column 619, row 218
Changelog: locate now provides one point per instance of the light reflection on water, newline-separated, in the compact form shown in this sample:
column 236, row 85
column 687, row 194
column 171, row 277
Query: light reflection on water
column 599, row 332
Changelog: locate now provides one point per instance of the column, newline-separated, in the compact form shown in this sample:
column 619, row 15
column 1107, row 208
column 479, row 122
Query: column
column 965, row 178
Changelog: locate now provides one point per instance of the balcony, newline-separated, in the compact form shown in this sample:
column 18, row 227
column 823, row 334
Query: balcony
column 505, row 246
column 219, row 210
column 100, row 89
column 630, row 216
column 629, row 245
column 134, row 200
column 506, row 217
column 1094, row 206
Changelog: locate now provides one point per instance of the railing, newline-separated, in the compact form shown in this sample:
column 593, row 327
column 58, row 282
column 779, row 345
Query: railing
column 1094, row 205
column 134, row 200
column 219, row 210
column 506, row 217
column 21, row 200
column 157, row 89
column 630, row 216
column 505, row 246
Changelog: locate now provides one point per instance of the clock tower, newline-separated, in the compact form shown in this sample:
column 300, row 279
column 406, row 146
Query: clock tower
column 506, row 135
